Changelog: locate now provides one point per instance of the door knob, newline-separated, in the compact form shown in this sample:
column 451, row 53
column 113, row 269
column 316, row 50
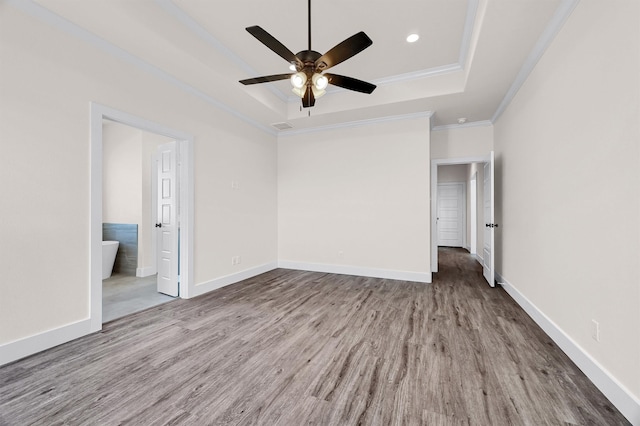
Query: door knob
column 158, row 225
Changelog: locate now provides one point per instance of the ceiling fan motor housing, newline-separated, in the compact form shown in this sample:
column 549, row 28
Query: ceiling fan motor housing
column 308, row 60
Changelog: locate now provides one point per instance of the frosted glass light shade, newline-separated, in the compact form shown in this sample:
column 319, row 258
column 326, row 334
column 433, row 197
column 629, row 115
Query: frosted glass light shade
column 317, row 93
column 298, row 80
column 320, row 82
column 298, row 91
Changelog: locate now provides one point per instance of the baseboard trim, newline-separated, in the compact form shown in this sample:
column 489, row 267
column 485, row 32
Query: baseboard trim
column 226, row 280
column 616, row 392
column 147, row 271
column 421, row 277
column 22, row 348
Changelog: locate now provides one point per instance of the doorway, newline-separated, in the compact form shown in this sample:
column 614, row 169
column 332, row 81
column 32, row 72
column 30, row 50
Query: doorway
column 184, row 143
column 130, row 182
column 483, row 239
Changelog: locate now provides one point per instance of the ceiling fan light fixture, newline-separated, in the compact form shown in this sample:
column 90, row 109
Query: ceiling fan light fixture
column 298, row 80
column 319, row 81
column 298, row 91
column 317, row 93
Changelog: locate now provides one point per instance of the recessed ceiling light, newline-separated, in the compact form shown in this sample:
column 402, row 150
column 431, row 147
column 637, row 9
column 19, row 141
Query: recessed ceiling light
column 462, row 120
column 412, row 38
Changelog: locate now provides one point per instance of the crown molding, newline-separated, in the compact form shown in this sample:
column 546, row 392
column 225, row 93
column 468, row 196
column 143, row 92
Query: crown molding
column 465, row 44
column 546, row 38
column 183, row 17
column 189, row 22
column 356, row 123
column 47, row 16
column 430, row 72
column 481, row 123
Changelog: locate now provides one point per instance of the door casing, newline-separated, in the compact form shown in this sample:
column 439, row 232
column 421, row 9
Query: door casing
column 185, row 145
column 434, row 197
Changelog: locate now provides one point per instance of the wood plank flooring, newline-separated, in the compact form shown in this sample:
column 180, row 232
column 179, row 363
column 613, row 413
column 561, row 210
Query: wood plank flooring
column 303, row 348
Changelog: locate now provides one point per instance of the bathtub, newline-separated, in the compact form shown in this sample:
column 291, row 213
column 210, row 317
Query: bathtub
column 109, row 250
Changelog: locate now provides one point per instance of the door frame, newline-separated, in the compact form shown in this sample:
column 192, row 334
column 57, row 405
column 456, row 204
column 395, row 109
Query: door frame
column 434, row 197
column 473, row 212
column 186, row 201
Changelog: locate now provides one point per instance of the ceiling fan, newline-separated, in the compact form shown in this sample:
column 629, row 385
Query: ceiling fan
column 309, row 79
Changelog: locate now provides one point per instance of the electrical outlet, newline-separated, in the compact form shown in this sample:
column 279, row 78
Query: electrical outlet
column 595, row 330
column 340, row 254
column 235, row 184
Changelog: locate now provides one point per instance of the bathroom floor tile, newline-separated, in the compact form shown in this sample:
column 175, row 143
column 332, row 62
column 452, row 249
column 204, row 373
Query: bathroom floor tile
column 123, row 295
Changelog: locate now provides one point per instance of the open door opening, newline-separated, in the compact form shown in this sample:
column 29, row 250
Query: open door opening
column 481, row 181
column 182, row 191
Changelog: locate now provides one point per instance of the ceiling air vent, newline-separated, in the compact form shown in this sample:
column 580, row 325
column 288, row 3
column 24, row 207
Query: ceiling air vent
column 282, row 126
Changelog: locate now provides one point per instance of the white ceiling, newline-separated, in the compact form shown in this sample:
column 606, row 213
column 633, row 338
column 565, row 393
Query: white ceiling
column 471, row 56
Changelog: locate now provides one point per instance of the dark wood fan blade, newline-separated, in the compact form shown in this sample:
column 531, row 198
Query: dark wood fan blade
column 350, row 83
column 266, row 79
column 343, row 51
column 273, row 44
column 308, row 100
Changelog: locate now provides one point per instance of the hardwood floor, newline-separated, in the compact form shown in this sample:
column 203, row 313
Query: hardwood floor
column 293, row 348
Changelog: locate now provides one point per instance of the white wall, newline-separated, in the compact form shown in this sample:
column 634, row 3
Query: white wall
column 48, row 80
column 356, row 198
column 462, row 142
column 121, row 174
column 568, row 194
column 453, row 173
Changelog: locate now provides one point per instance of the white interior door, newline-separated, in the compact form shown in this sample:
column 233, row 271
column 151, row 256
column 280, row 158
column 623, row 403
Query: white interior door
column 450, row 218
column 488, row 269
column 167, row 222
column 473, row 212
